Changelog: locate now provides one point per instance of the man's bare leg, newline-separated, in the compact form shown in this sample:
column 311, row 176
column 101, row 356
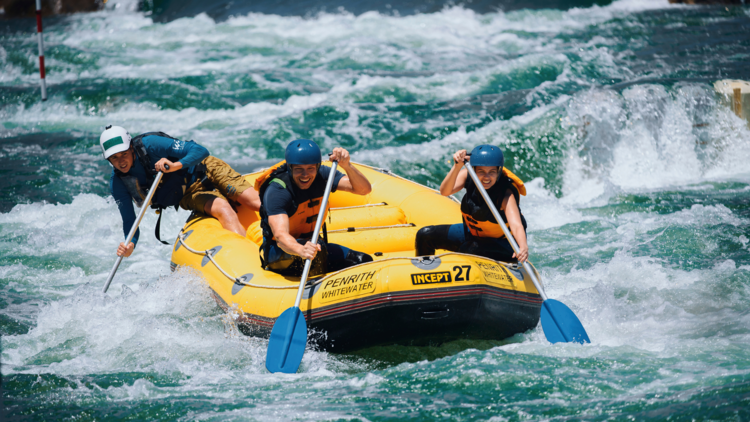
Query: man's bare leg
column 249, row 198
column 221, row 210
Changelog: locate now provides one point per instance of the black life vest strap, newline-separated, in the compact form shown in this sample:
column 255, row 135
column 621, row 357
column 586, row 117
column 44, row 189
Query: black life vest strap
column 142, row 154
column 157, row 230
column 201, row 174
column 282, row 174
column 265, row 247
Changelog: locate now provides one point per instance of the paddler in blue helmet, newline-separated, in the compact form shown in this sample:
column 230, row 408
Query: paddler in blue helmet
column 480, row 234
column 192, row 179
column 291, row 195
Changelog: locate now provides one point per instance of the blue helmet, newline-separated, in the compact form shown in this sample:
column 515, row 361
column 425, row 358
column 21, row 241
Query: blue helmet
column 487, row 155
column 302, row 151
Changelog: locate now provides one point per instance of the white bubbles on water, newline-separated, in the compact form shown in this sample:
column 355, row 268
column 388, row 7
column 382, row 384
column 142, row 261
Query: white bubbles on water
column 543, row 211
column 128, row 332
column 642, row 138
column 150, row 321
column 650, row 136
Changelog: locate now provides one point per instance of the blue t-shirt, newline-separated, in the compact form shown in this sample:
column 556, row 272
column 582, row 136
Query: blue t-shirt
column 277, row 199
column 158, row 147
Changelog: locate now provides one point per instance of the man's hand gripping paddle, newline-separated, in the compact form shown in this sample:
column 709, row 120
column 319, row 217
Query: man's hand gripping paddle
column 146, row 203
column 559, row 323
column 289, row 334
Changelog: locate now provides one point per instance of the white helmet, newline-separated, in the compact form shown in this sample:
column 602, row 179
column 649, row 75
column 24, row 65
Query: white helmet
column 113, row 140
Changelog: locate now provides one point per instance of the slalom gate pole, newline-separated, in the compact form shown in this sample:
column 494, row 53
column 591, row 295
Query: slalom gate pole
column 41, row 47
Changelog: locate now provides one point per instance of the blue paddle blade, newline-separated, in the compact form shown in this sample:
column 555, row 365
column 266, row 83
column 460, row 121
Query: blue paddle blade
column 560, row 324
column 287, row 343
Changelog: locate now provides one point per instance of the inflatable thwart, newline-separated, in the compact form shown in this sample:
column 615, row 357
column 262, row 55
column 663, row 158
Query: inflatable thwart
column 396, row 299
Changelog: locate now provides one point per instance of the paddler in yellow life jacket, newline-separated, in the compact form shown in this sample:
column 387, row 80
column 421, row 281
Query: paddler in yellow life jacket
column 291, row 195
column 480, row 234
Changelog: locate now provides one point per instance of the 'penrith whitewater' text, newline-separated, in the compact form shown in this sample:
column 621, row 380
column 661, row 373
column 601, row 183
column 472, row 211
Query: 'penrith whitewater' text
column 353, row 285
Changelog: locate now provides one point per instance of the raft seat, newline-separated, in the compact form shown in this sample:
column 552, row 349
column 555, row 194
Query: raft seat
column 386, row 239
column 371, row 228
column 362, row 223
column 380, row 214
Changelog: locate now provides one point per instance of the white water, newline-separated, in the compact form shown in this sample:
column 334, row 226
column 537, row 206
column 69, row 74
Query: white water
column 642, row 300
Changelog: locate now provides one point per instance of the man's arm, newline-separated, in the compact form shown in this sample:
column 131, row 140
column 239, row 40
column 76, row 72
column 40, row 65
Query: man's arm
column 280, row 226
column 354, row 181
column 276, row 200
column 455, row 180
column 513, row 214
column 125, row 205
column 188, row 153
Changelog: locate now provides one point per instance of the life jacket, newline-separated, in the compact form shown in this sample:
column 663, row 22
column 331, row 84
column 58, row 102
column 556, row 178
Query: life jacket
column 172, row 187
column 477, row 216
column 302, row 222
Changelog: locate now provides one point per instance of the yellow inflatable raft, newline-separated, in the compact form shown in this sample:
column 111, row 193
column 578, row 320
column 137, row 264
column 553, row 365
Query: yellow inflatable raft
column 396, row 299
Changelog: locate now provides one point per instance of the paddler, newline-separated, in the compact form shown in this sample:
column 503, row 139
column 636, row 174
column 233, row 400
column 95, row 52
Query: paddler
column 479, row 234
column 291, row 195
column 192, row 179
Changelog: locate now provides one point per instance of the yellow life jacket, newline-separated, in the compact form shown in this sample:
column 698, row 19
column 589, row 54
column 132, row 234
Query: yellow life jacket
column 302, row 222
column 477, row 216
column 266, row 174
column 517, row 182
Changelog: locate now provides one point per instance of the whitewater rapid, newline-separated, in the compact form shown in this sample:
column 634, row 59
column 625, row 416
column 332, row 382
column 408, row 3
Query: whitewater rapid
column 637, row 204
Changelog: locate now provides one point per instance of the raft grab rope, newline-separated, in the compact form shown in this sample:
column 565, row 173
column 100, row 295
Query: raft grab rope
column 313, row 282
column 209, row 254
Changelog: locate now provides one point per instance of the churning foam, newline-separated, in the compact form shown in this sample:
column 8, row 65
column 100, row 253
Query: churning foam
column 651, row 137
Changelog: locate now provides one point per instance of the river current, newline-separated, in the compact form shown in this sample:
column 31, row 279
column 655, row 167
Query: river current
column 638, row 206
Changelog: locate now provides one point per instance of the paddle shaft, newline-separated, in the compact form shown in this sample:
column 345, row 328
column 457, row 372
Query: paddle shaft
column 507, row 233
column 316, row 232
column 308, row 262
column 146, row 203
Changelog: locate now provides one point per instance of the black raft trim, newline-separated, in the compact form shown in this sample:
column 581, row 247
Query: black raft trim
column 354, row 306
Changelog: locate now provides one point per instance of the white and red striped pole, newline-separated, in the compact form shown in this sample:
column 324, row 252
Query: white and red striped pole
column 41, row 47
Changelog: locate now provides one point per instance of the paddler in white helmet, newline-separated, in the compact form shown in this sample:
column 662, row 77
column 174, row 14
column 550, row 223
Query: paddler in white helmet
column 192, row 179
column 480, row 234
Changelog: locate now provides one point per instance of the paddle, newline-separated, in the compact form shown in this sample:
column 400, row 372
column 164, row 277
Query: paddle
column 289, row 334
column 146, row 203
column 559, row 323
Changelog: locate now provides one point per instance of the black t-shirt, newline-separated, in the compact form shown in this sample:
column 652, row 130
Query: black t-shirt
column 277, row 199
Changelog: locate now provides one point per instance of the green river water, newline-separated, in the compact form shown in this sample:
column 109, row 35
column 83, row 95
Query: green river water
column 638, row 206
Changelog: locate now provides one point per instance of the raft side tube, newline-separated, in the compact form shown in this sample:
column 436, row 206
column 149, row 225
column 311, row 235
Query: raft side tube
column 397, row 298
